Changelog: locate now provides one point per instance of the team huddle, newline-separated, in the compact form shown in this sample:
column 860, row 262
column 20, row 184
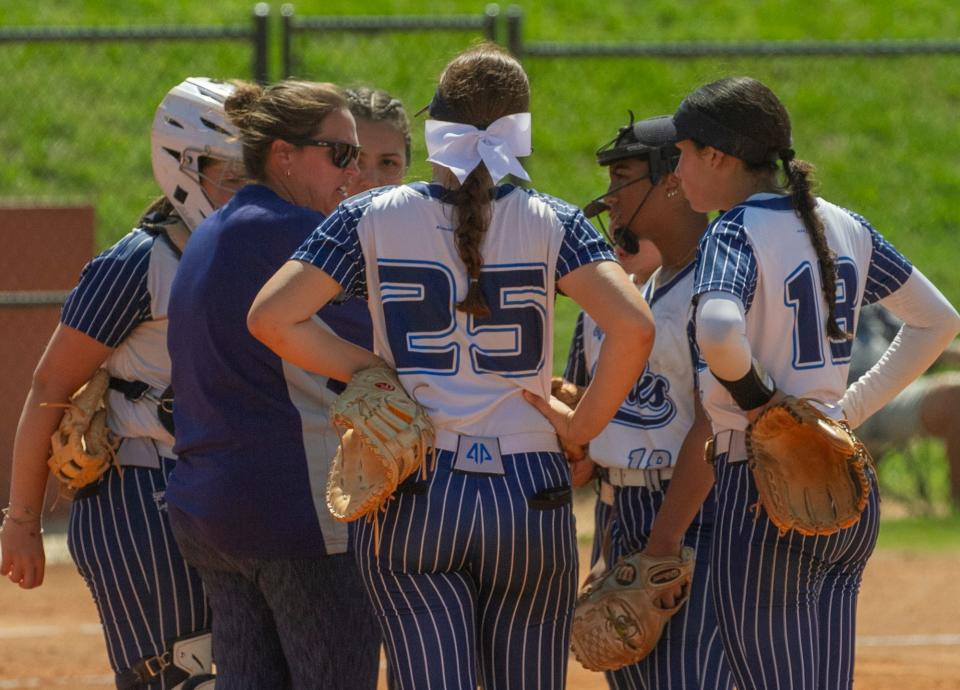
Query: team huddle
column 288, row 278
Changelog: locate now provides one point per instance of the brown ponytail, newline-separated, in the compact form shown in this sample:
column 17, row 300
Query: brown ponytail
column 799, row 173
column 290, row 110
column 472, row 219
column 478, row 87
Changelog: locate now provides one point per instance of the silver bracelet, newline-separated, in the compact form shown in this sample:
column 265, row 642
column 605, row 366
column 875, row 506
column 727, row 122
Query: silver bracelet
column 18, row 521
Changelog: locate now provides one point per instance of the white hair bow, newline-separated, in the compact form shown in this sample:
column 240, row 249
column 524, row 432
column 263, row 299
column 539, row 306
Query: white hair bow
column 460, row 147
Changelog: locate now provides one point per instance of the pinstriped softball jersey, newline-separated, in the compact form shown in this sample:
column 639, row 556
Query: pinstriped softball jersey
column 787, row 605
column 759, row 252
column 119, row 534
column 474, row 576
column 647, row 430
column 646, row 433
column 468, row 373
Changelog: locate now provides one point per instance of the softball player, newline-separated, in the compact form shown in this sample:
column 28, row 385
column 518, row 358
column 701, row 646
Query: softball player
column 780, row 279
column 656, row 438
column 476, row 572
column 151, row 604
column 384, row 133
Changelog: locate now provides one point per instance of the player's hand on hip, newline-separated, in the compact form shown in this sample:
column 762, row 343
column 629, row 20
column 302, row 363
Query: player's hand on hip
column 581, row 471
column 23, row 558
column 557, row 413
column 575, row 452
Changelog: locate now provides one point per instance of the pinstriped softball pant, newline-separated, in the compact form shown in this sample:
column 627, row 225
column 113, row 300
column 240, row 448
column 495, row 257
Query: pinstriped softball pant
column 786, row 605
column 119, row 537
column 690, row 652
column 471, row 581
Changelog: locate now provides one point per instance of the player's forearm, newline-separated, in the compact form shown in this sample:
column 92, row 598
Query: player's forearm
column 312, row 347
column 691, row 483
column 31, row 448
column 930, row 324
column 623, row 355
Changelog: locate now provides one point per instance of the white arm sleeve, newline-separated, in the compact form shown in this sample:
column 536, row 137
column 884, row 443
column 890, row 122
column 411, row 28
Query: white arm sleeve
column 722, row 335
column 930, row 323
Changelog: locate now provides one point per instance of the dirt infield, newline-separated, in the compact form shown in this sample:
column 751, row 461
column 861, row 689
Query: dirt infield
column 908, row 630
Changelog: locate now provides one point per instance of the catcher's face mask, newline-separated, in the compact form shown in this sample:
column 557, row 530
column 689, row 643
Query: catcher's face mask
column 651, row 141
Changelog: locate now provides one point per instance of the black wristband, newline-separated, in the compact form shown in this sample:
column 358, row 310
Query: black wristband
column 755, row 389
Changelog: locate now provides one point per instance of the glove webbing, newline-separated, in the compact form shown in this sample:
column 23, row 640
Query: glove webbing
column 862, row 458
column 63, row 490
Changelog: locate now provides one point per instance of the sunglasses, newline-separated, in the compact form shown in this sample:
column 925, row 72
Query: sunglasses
column 341, row 152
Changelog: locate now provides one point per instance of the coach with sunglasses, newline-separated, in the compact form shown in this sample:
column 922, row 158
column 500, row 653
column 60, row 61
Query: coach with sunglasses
column 247, row 499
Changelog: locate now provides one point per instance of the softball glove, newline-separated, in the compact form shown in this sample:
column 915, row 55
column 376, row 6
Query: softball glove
column 564, row 391
column 384, row 437
column 618, row 618
column 810, row 471
column 82, row 447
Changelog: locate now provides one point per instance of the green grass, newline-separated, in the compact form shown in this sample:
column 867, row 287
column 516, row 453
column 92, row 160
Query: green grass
column 920, row 533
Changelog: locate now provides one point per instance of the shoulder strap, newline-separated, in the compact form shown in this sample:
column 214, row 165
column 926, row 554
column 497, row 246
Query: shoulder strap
column 170, row 229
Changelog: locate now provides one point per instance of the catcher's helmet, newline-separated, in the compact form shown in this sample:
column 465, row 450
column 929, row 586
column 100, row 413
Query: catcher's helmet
column 652, row 139
column 190, row 123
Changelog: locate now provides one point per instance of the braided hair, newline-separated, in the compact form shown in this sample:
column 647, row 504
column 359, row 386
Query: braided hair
column 748, row 109
column 377, row 105
column 479, row 86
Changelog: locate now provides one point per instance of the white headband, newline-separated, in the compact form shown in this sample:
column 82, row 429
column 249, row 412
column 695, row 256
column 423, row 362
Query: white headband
column 460, row 147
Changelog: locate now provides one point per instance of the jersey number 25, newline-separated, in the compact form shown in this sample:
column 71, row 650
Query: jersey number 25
column 419, row 308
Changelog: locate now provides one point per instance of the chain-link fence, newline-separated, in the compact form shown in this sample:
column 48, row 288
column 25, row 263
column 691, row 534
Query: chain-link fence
column 877, row 117
column 75, row 118
column 78, row 103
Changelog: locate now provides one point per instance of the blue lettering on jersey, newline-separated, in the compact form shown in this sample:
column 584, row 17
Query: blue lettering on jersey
column 648, row 404
column 801, row 292
column 658, row 459
column 419, row 309
column 418, row 305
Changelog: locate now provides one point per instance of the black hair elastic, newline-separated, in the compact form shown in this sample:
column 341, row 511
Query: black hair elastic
column 438, row 109
column 786, row 155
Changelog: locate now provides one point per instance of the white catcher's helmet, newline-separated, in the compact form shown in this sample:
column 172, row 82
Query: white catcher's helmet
column 190, row 123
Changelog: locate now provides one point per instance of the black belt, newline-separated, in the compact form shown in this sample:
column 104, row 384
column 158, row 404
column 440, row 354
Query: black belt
column 135, row 391
column 132, row 390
